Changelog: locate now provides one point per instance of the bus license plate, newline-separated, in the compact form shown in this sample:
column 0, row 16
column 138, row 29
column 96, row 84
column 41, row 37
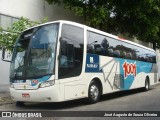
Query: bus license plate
column 26, row 95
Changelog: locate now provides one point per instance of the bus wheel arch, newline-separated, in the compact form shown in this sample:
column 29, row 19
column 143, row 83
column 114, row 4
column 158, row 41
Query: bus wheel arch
column 95, row 90
column 147, row 83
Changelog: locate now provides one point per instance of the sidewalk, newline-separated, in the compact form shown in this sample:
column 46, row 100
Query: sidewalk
column 5, row 98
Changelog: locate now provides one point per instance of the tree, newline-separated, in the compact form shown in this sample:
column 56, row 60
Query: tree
column 9, row 36
column 94, row 11
column 138, row 18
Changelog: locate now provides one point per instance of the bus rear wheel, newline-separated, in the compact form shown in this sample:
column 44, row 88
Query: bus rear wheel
column 93, row 92
column 147, row 84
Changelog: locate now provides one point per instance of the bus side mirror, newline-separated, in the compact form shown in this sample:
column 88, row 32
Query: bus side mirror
column 4, row 55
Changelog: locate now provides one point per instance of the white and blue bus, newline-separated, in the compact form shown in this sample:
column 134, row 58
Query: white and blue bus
column 62, row 60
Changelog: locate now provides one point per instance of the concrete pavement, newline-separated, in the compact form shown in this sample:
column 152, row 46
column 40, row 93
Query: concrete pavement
column 5, row 98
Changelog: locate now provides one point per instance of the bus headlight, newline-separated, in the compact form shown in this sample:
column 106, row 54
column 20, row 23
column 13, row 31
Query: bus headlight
column 11, row 85
column 47, row 83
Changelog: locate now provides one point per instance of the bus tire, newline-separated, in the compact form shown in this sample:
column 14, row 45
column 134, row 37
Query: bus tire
column 147, row 84
column 93, row 92
column 19, row 103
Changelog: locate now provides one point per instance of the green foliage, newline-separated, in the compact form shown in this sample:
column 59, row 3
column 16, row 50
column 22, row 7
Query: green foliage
column 93, row 11
column 138, row 18
column 9, row 36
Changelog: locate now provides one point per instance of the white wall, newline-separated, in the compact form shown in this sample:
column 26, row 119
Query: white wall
column 158, row 62
column 36, row 10
column 33, row 9
column 4, row 71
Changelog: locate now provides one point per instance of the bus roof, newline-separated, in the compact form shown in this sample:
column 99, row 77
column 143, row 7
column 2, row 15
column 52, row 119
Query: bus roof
column 94, row 30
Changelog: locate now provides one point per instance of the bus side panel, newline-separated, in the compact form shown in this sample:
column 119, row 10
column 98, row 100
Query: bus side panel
column 110, row 72
column 96, row 68
column 153, row 75
column 119, row 74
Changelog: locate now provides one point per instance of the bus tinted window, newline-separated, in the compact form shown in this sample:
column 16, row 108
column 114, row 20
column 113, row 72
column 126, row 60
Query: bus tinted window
column 102, row 45
column 71, row 52
column 97, row 44
column 115, row 48
column 106, row 46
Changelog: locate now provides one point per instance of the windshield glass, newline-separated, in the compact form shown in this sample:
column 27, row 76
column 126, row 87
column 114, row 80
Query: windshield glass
column 34, row 53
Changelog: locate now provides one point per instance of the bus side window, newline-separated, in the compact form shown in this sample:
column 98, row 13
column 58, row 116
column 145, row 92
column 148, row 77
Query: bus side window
column 110, row 52
column 129, row 55
column 63, row 57
column 71, row 51
column 97, row 44
column 90, row 49
column 116, row 53
column 67, row 54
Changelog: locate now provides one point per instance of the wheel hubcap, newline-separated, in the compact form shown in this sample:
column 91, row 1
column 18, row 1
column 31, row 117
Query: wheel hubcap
column 147, row 86
column 94, row 92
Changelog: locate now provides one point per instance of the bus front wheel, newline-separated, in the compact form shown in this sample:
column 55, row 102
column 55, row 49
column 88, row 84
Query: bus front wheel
column 93, row 92
column 19, row 103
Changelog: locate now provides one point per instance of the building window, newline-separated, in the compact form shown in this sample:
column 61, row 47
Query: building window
column 7, row 21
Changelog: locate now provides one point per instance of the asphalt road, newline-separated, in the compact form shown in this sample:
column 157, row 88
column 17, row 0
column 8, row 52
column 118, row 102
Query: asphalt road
column 135, row 100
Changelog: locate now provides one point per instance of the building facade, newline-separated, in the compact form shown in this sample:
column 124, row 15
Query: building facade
column 35, row 10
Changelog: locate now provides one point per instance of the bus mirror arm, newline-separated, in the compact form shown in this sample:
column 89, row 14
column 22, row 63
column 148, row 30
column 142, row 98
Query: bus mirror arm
column 3, row 55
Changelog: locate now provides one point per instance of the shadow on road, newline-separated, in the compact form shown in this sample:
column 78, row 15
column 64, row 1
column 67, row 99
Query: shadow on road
column 125, row 93
column 80, row 102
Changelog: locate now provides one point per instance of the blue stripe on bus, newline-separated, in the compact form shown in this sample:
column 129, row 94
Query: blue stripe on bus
column 42, row 79
column 140, row 67
column 92, row 66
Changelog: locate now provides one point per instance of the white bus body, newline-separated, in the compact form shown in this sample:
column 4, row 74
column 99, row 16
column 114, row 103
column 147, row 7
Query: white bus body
column 81, row 62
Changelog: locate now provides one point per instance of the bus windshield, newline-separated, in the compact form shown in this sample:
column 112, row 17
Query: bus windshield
column 34, row 53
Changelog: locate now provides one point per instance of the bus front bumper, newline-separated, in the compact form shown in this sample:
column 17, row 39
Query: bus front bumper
column 47, row 94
